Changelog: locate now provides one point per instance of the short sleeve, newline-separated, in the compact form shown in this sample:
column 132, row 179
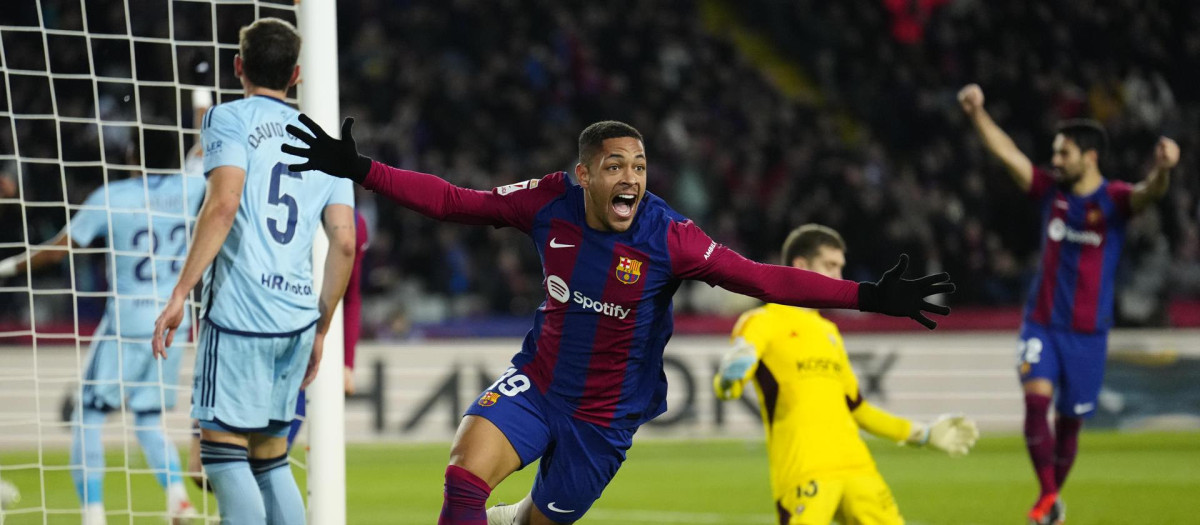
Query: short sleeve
column 91, row 221
column 343, row 192
column 1041, row 184
column 223, row 139
column 1121, row 193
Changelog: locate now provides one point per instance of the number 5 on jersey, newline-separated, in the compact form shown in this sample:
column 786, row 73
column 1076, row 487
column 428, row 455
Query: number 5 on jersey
column 277, row 197
column 511, row 383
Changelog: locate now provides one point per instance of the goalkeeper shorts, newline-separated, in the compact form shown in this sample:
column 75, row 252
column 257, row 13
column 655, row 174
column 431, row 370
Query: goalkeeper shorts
column 857, row 499
column 1072, row 361
column 578, row 459
column 249, row 382
column 126, row 369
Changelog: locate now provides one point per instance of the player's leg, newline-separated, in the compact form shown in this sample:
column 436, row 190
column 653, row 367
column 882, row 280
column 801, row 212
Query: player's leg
column 99, row 393
column 1039, row 368
column 149, row 387
column 574, row 470
column 230, row 393
column 1084, row 356
column 269, row 448
column 867, row 500
column 810, row 502
column 501, row 432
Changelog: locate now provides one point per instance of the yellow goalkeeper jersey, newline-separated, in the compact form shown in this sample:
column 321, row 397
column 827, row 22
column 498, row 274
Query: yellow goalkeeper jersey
column 806, row 390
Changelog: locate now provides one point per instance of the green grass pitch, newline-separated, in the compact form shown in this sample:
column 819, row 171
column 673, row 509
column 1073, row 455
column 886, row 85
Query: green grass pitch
column 1120, row 478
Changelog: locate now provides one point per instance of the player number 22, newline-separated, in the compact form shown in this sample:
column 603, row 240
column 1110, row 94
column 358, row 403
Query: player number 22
column 511, row 383
column 276, row 197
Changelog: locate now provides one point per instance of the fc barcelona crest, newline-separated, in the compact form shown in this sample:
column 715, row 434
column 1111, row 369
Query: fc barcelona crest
column 629, row 270
column 488, row 399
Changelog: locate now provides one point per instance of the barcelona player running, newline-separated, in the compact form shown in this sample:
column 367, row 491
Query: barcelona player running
column 1064, row 338
column 590, row 371
column 812, row 408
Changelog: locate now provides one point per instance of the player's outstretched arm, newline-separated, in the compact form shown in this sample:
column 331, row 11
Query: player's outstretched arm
column 45, row 254
column 995, row 139
column 736, row 367
column 424, row 193
column 952, row 434
column 216, row 217
column 1147, row 192
column 339, row 227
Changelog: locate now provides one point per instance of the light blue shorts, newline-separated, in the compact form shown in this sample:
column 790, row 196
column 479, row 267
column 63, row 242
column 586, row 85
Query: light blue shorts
column 249, row 382
column 126, row 369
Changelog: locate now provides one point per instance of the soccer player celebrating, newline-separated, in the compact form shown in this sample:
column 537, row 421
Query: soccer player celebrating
column 590, row 371
column 263, row 323
column 1064, row 338
column 812, row 408
column 143, row 219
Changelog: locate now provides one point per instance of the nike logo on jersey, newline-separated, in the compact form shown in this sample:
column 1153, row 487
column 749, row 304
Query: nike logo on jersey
column 555, row 244
column 1083, row 408
column 556, row 509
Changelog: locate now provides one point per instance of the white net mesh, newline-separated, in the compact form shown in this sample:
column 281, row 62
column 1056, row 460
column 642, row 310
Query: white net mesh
column 94, row 90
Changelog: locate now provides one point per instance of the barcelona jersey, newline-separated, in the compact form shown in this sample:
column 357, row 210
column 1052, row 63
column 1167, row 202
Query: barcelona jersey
column 595, row 350
column 1081, row 246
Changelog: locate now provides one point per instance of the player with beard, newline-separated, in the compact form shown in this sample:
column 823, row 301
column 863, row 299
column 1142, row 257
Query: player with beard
column 1064, row 337
column 590, row 371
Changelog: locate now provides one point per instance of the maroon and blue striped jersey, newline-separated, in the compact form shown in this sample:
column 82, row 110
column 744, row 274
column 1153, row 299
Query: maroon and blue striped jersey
column 595, row 350
column 1081, row 246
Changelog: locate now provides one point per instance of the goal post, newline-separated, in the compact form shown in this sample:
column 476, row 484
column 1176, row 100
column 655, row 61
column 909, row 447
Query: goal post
column 326, row 400
column 82, row 79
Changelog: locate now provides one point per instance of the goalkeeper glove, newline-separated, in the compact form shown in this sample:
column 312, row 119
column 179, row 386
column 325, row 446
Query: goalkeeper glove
column 735, row 366
column 954, row 435
column 896, row 296
column 336, row 157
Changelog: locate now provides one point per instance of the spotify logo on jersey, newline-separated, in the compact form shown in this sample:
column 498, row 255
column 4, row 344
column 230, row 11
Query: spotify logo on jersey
column 558, row 288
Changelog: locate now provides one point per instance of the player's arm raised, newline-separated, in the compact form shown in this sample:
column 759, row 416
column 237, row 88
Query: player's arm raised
column 45, row 254
column 1147, row 192
column 694, row 255
column 216, row 217
column 995, row 139
column 339, row 227
column 427, row 194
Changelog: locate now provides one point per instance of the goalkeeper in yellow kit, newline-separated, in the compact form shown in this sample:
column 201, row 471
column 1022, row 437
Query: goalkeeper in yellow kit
column 811, row 406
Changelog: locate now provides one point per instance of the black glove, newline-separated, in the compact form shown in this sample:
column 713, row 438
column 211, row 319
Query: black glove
column 336, row 157
column 895, row 295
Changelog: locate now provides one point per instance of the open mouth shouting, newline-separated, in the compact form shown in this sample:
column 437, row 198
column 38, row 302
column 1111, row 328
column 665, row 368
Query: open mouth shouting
column 624, row 204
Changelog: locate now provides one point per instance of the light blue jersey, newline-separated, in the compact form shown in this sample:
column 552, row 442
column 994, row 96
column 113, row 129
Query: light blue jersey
column 147, row 244
column 261, row 281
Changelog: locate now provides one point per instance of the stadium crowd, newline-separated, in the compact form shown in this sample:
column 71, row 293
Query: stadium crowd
column 489, row 93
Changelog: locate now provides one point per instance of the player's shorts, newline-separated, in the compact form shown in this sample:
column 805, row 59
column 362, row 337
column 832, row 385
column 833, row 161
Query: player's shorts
column 248, row 383
column 1072, row 361
column 856, row 499
column 578, row 459
column 126, row 369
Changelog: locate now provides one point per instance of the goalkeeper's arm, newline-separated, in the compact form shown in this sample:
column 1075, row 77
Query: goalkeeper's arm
column 954, row 435
column 736, row 367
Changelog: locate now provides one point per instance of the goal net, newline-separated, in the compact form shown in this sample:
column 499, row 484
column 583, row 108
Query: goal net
column 96, row 91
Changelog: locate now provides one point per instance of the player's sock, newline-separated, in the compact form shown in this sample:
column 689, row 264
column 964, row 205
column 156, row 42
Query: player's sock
column 1066, row 435
column 87, row 457
column 238, row 495
column 281, row 496
column 464, row 498
column 160, row 452
column 1039, row 441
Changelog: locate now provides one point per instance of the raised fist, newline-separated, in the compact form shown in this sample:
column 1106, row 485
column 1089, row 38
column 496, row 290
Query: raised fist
column 1166, row 154
column 971, row 98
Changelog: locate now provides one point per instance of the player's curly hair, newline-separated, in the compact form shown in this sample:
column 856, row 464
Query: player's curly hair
column 269, row 48
column 806, row 241
column 594, row 136
column 1085, row 133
